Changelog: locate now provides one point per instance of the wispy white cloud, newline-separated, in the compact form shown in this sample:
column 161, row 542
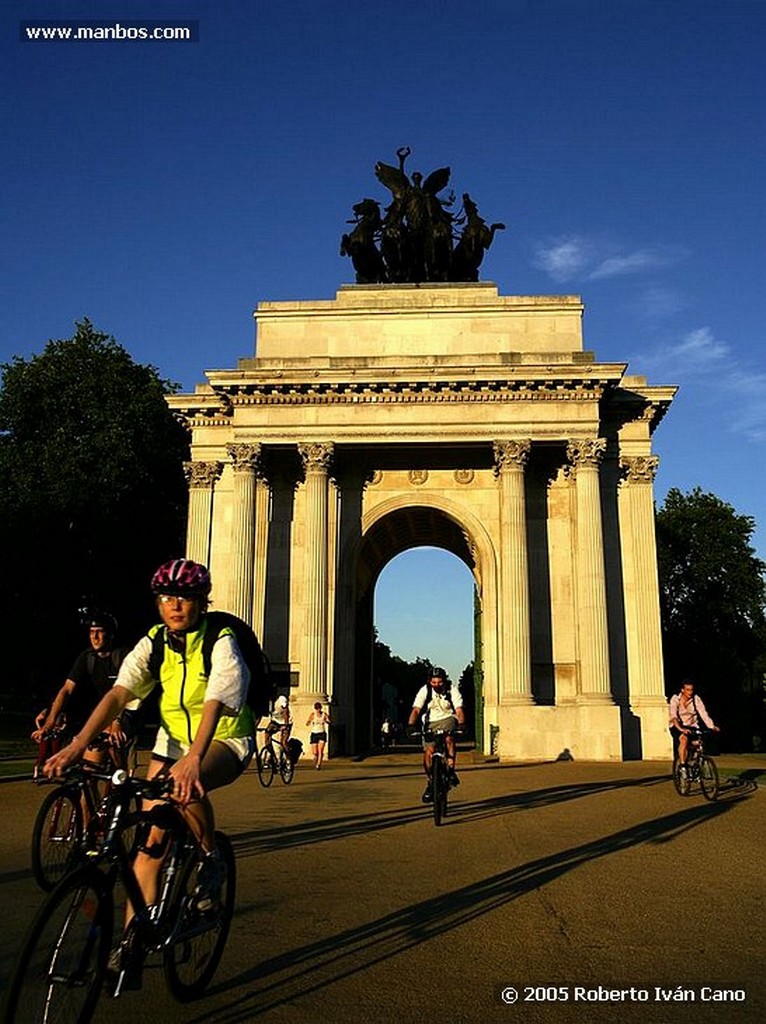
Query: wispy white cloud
column 694, row 353
column 659, row 302
column 563, row 259
column 638, row 261
column 749, row 411
column 569, row 257
column 699, row 349
column 699, row 359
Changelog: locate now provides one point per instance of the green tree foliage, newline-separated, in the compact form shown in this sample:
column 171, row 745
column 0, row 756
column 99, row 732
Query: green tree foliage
column 92, row 494
column 713, row 593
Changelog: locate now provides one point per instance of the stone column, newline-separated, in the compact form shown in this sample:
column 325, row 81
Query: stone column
column 262, row 503
column 515, row 644
column 201, row 477
column 642, row 595
column 585, row 456
column 245, row 460
column 316, row 458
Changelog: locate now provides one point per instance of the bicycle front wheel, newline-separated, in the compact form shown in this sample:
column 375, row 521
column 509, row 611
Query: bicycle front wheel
column 440, row 790
column 193, row 957
column 709, row 778
column 681, row 779
column 61, row 969
column 266, row 765
column 286, row 768
column 56, row 836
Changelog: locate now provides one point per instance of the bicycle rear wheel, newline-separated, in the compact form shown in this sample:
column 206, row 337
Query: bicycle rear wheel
column 681, row 779
column 56, row 836
column 266, row 765
column 286, row 768
column 192, row 959
column 709, row 777
column 61, row 969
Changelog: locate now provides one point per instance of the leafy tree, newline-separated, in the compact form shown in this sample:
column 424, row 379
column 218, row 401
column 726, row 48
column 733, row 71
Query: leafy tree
column 712, row 592
column 92, row 495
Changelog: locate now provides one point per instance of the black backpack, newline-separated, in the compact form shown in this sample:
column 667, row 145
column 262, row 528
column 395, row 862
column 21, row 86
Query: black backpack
column 260, row 690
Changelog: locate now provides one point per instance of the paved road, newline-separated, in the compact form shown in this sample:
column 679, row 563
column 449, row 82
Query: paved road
column 559, row 880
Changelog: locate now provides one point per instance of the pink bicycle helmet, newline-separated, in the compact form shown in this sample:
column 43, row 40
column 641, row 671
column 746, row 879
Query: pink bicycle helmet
column 183, row 578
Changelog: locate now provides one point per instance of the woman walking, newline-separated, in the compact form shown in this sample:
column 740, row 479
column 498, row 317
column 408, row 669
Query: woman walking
column 318, row 720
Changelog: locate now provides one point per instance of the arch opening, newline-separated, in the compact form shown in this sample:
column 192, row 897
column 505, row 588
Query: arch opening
column 413, row 531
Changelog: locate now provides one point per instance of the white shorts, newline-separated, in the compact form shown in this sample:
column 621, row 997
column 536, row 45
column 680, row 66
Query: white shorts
column 167, row 749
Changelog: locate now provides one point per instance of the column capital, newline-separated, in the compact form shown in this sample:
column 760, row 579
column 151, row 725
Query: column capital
column 246, row 458
column 316, row 456
column 511, row 454
column 202, row 474
column 586, row 451
column 639, row 469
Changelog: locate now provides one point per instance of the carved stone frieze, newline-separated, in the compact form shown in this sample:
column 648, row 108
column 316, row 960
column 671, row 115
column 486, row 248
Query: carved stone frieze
column 301, row 392
column 464, row 476
column 202, row 474
column 417, row 476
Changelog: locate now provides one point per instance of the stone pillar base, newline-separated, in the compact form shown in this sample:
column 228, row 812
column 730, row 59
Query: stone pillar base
column 583, row 732
column 656, row 741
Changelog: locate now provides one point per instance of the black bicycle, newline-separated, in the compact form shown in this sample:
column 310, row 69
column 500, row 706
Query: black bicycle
column 70, row 816
column 63, row 963
column 699, row 768
column 273, row 758
column 440, row 772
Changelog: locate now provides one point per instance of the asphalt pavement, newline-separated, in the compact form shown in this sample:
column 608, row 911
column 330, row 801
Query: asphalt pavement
column 554, row 893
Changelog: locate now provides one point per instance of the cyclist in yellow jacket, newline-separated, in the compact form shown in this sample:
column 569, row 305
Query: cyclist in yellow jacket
column 205, row 739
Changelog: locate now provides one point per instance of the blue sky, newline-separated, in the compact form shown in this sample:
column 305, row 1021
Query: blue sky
column 163, row 189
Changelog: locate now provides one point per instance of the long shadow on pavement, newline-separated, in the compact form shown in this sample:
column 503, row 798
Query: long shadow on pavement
column 305, row 833
column 275, row 982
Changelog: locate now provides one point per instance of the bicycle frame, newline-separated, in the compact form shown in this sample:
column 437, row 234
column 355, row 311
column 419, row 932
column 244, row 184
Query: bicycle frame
column 699, row 767
column 65, row 957
column 440, row 782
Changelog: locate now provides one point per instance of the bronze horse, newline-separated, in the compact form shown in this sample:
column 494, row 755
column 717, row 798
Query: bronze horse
column 476, row 237
column 359, row 244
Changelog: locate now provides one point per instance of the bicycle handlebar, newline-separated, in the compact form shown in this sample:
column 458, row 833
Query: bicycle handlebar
column 154, row 789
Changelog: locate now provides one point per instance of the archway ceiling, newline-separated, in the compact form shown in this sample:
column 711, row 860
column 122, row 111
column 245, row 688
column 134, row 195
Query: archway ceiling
column 412, row 527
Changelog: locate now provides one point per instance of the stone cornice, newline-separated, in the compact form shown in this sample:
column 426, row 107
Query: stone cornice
column 417, row 299
column 550, row 386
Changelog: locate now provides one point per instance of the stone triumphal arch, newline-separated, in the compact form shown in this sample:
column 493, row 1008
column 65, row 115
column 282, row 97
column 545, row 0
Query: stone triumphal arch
column 443, row 414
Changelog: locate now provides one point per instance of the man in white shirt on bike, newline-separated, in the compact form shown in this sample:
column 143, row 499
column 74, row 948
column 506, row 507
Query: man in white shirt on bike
column 442, row 708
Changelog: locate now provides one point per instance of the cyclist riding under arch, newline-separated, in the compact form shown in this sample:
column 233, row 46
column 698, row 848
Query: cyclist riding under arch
column 442, row 708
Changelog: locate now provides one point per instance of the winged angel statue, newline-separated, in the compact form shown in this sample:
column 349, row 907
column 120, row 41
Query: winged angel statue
column 417, row 239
